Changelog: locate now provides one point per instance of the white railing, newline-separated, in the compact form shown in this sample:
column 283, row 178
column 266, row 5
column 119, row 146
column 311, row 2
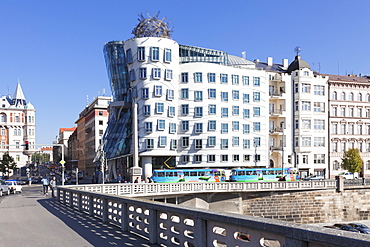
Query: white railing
column 174, row 225
column 154, row 189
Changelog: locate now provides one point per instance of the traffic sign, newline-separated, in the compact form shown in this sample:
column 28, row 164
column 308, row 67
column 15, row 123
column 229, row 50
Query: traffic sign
column 62, row 162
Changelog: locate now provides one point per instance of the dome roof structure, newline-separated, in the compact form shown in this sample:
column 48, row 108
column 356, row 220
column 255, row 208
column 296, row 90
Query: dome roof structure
column 152, row 27
column 298, row 63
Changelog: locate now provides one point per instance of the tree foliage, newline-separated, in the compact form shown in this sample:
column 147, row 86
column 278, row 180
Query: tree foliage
column 352, row 160
column 40, row 158
column 7, row 163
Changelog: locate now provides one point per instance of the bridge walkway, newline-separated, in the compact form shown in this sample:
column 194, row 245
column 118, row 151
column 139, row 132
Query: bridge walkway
column 32, row 219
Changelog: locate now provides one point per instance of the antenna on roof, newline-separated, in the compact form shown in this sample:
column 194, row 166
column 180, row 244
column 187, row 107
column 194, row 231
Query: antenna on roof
column 87, row 100
column 297, row 50
column 103, row 91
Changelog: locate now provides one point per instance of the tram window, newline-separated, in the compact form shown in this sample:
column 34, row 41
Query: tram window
column 175, row 174
column 270, row 172
column 193, row 174
column 160, row 174
column 186, row 174
column 169, row 174
column 248, row 173
column 264, row 172
column 216, row 173
column 201, row 173
column 254, row 173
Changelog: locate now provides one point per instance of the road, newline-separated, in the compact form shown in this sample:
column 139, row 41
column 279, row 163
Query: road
column 31, row 219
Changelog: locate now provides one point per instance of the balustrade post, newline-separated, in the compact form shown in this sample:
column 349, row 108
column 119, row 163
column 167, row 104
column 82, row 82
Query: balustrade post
column 58, row 194
column 91, row 205
column 79, row 201
column 124, row 217
column 105, row 210
column 153, row 226
column 200, row 232
column 71, row 199
column 340, row 183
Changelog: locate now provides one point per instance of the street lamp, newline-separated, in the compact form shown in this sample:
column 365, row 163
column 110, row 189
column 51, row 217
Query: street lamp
column 255, row 144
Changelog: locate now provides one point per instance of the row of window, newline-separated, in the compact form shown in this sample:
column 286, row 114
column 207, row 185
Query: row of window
column 155, row 54
column 199, row 110
column 307, row 141
column 350, row 113
column 306, row 88
column 197, row 158
column 198, row 77
column 156, row 74
column 344, row 146
column 351, row 96
column 200, row 143
column 318, row 124
column 198, row 127
column 18, row 132
column 17, row 145
column 349, row 129
column 306, row 106
column 337, row 165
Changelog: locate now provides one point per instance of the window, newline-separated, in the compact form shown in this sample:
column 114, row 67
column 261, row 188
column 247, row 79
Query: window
column 359, row 112
column 149, row 143
column 141, row 53
column 159, row 108
column 184, row 109
column 343, row 129
column 235, row 110
column 246, row 113
column 167, row 55
column 306, row 106
column 256, row 96
column 145, row 93
column 198, row 128
column 235, row 157
column 172, row 128
column 185, row 93
column 351, row 129
column 319, row 90
column 223, row 78
column 225, row 96
column 256, row 111
column 211, row 109
column 146, row 110
column 198, row 143
column 235, row 125
column 173, row 144
column 185, row 158
column 197, row 158
column 351, row 97
column 155, row 54
column 359, row 129
column 142, row 73
column 246, row 129
column 224, row 112
column 129, row 55
column 161, row 124
column 343, row 111
column 212, row 125
column 319, row 158
column 198, row 111
column 359, row 97
column 319, row 124
column 148, row 127
column 334, row 96
column 257, row 141
column 211, row 158
column 334, row 111
column 171, row 111
column 185, row 141
column 306, row 88
column 162, row 141
column 211, row 77
column 198, row 77
column 256, row 81
column 319, row 142
column 319, row 107
column 224, row 143
column 100, row 122
column 245, row 98
column 235, row 79
column 184, row 77
column 306, row 124
column 235, row 95
column 246, row 143
column 224, row 158
column 185, row 125
column 156, row 73
column 334, row 128
column 212, row 141
column 306, row 142
column 198, row 95
column 211, row 93
column 170, row 94
column 132, row 75
column 245, row 80
column 256, row 126
column 168, row 74
column 224, row 128
column 235, row 141
column 350, row 113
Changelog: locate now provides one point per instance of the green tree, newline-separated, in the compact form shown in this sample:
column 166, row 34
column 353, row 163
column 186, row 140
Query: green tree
column 352, row 161
column 40, row 158
column 7, row 163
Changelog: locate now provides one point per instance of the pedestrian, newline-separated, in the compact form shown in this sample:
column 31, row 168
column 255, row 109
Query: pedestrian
column 136, row 180
column 45, row 185
column 53, row 185
column 149, row 180
column 119, row 178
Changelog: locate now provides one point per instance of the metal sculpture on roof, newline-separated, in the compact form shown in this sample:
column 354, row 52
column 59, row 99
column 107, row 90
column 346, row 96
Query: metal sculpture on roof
column 152, row 27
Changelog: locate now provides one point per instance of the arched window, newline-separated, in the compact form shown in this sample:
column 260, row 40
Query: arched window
column 2, row 118
column 368, row 165
column 359, row 98
column 351, row 97
column 334, row 96
column 343, row 96
column 336, row 165
column 368, row 97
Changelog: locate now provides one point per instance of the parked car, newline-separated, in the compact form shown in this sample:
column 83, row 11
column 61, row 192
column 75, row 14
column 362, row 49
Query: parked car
column 23, row 181
column 315, row 177
column 14, row 186
column 4, row 188
column 361, row 227
column 349, row 175
column 346, row 227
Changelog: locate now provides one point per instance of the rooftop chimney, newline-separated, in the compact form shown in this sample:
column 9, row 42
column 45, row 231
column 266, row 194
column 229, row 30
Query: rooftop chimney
column 285, row 63
column 269, row 61
column 244, row 54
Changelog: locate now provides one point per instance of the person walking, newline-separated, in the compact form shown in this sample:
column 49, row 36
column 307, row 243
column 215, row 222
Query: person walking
column 45, row 185
column 53, row 185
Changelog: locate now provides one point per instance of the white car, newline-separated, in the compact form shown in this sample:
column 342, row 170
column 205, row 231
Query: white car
column 349, row 175
column 4, row 188
column 14, row 186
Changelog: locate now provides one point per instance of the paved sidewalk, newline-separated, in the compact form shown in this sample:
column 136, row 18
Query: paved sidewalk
column 32, row 219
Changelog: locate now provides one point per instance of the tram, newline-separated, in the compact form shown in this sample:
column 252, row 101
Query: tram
column 263, row 174
column 190, row 175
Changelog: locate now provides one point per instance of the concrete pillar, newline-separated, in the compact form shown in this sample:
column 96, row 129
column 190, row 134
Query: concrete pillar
column 340, row 183
column 148, row 167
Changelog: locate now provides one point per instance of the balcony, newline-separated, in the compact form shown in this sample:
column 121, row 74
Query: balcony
column 275, row 112
column 276, row 130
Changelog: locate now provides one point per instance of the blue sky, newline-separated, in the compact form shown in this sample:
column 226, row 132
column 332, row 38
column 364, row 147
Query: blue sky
column 55, row 47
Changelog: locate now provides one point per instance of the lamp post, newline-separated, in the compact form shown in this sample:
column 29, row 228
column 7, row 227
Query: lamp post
column 255, row 152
